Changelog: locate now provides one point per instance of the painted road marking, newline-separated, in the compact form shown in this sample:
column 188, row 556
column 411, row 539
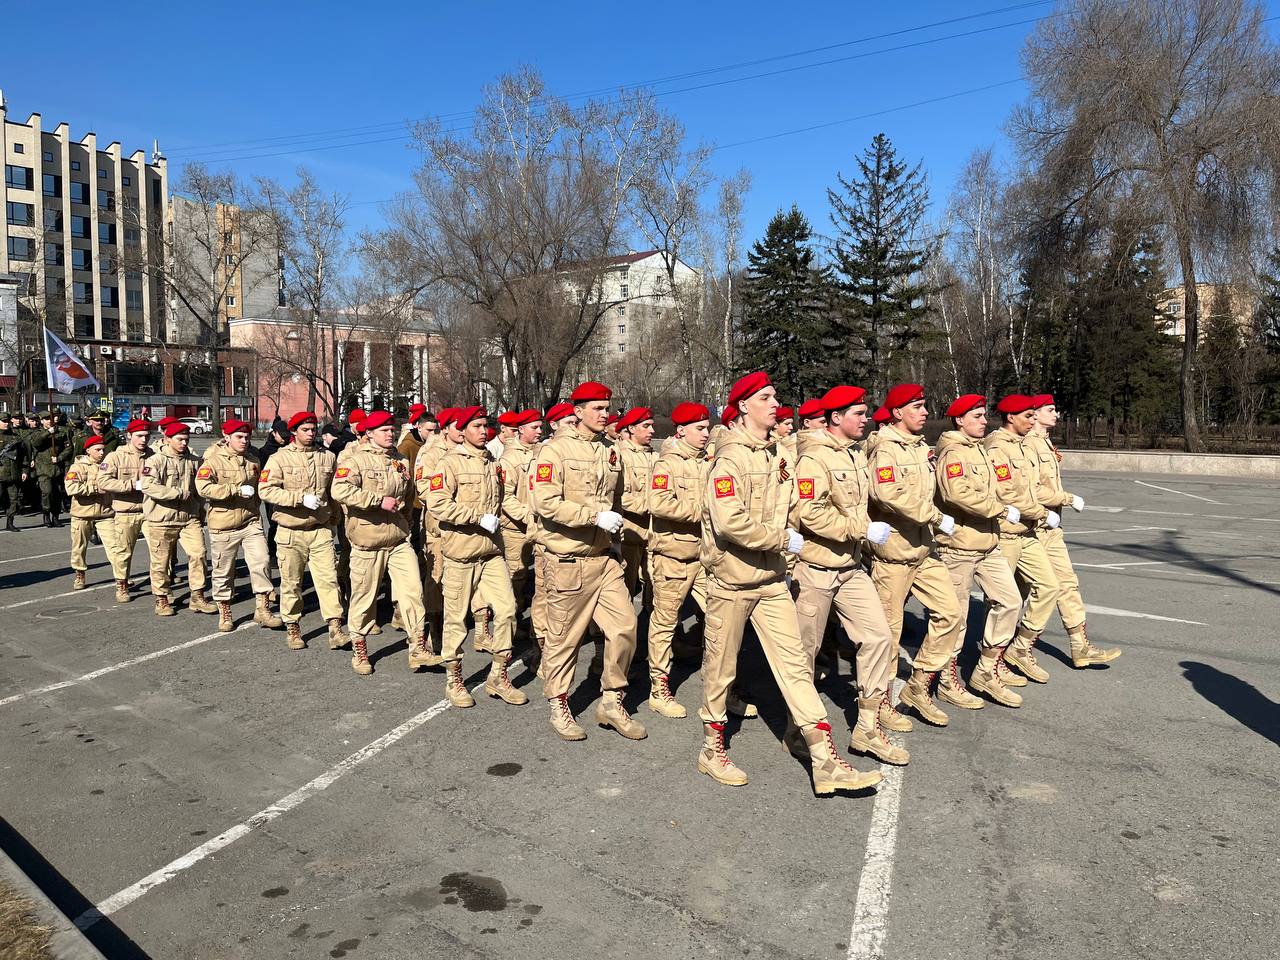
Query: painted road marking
column 1183, row 493
column 1079, row 533
column 56, row 553
column 56, row 596
column 1116, row 612
column 1207, row 516
column 1121, row 565
column 123, row 665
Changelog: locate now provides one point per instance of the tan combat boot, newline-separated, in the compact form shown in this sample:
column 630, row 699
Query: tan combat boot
column 499, row 685
column 122, row 591
column 484, row 631
column 562, row 721
column 662, row 701
column 739, row 707
column 293, row 637
column 375, row 630
column 78, row 582
column 869, row 737
column 360, row 656
column 829, row 769
column 421, row 654
column 262, row 614
column 455, row 690
column 916, row 695
column 163, row 607
column 1020, row 656
column 952, row 689
column 1085, row 654
column 986, row 679
column 1007, row 676
column 200, row 603
column 713, row 758
column 891, row 719
column 225, row 623
column 337, row 636
column 611, row 713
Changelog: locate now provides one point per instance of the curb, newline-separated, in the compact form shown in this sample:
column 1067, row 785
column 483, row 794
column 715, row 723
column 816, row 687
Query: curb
column 67, row 943
column 1171, row 463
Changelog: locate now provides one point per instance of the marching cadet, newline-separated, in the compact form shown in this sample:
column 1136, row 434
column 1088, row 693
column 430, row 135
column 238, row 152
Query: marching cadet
column 635, row 429
column 812, row 418
column 432, row 565
column 1049, row 492
column 831, row 514
column 967, row 491
column 228, row 479
column 89, row 503
column 13, row 466
column 173, row 516
column 517, row 547
column 906, row 563
column 51, row 452
column 879, row 418
column 744, row 537
column 414, row 439
column 1016, row 479
column 508, row 421
column 784, row 436
column 464, row 496
column 576, row 484
column 611, row 428
column 122, row 478
column 295, row 481
column 373, row 485
column 562, row 420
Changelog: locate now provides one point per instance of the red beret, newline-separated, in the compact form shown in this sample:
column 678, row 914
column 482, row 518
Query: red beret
column 379, row 418
column 1042, row 400
column 728, row 415
column 490, row 433
column 559, row 412
column 687, row 413
column 842, row 397
column 165, row 421
column 356, row 415
column 786, row 413
column 966, row 403
column 810, row 409
column 235, row 426
column 586, row 392
column 138, row 426
column 903, row 394
column 1015, row 403
column 301, row 417
column 633, row 416
column 880, row 416
column 445, row 416
column 91, row 442
column 467, row 414
column 526, row 417
column 510, row 418
column 748, row 386
column 416, row 410
column 176, row 427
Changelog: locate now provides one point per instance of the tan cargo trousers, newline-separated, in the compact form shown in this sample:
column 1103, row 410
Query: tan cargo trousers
column 467, row 582
column 995, row 580
column 81, row 531
column 672, row 580
column 400, row 564
column 120, row 538
column 1070, row 603
column 432, row 568
column 1027, row 559
column 926, row 580
column 224, row 545
column 858, row 606
column 772, row 613
column 296, row 552
column 580, row 591
column 163, row 542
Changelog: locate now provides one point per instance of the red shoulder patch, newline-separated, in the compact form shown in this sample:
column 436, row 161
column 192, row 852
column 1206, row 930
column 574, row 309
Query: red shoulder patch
column 417, row 474
column 1002, row 471
column 146, row 471
column 661, row 481
column 955, row 470
column 204, row 473
column 265, row 475
column 544, row 473
column 885, row 475
column 340, row 473
column 437, row 481
column 805, row 486
column 724, row 487
column 71, row 475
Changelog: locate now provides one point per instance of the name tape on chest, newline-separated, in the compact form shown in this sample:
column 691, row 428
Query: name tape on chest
column 805, row 486
column 885, row 475
column 723, row 487
column 955, row 470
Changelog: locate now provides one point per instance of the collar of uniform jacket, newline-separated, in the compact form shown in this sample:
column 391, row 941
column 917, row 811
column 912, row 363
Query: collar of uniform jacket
column 687, row 450
column 481, row 453
column 587, row 434
column 904, row 437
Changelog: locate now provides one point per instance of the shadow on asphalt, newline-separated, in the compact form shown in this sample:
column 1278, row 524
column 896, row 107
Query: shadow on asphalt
column 27, row 578
column 1169, row 549
column 1237, row 698
column 104, row 934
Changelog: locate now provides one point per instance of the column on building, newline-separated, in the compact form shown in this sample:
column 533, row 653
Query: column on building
column 366, row 394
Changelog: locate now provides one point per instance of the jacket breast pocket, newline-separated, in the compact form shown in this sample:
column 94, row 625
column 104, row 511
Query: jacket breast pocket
column 470, row 489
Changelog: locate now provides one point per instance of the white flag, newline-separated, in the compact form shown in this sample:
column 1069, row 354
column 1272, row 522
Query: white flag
column 66, row 372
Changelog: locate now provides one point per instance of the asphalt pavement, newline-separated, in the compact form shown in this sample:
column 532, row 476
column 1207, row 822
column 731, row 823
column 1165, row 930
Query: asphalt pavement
column 190, row 794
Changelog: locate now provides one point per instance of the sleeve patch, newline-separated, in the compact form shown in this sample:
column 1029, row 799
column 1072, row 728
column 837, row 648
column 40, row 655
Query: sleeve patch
column 724, row 487
column 1002, row 471
column 805, row 485
column 341, row 472
column 437, row 481
column 71, row 475
column 885, row 475
column 146, row 471
column 955, row 470
column 661, row 481
column 544, row 473
column 204, row 473
column 264, row 475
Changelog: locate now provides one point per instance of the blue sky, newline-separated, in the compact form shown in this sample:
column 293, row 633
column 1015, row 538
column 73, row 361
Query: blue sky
column 224, row 78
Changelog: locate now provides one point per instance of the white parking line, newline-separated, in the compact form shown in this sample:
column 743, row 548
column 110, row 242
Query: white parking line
column 1078, row 533
column 120, row 900
column 56, row 553
column 1183, row 493
column 1207, row 516
column 69, row 593
column 1116, row 612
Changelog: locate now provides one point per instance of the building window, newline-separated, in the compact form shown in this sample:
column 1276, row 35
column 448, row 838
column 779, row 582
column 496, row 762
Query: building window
column 127, row 181
column 622, row 311
column 80, row 227
column 102, row 174
column 53, row 254
column 18, row 148
column 133, row 276
column 19, row 214
column 106, row 200
column 84, row 327
column 106, row 265
column 1175, row 308
column 155, row 193
column 622, row 329
column 110, row 297
column 110, row 328
column 18, row 178
column 79, row 192
column 75, row 164
column 131, row 235
column 133, row 299
column 622, row 348
column 107, row 233
column 53, row 219
column 48, row 156
column 20, row 248
column 83, row 292
column 231, row 301
column 81, row 259
column 622, row 291
column 52, row 185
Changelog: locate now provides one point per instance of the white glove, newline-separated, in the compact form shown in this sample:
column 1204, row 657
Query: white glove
column 947, row 524
column 490, row 522
column 137, row 484
column 609, row 521
column 1077, row 504
column 1052, row 520
column 1012, row 514
column 311, row 501
column 795, row 542
column 247, row 489
column 878, row 532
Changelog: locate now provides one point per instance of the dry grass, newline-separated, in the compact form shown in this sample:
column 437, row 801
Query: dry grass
column 22, row 936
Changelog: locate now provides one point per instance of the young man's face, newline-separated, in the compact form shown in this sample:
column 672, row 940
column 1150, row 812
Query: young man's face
column 179, row 441
column 784, row 428
column 567, row 424
column 1047, row 416
column 46, row 423
column 642, row 433
column 761, row 408
column 427, row 428
column 238, row 441
column 474, row 433
column 530, row 433
column 974, row 423
column 305, row 434
column 696, row 434
column 452, row 433
column 1021, row 423
column 912, row 416
column 850, row 423
column 138, row 440
column 506, row 434
column 593, row 414
column 384, row 437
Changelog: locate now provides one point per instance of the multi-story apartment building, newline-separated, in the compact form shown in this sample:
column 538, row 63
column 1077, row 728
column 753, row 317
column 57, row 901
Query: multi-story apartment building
column 1172, row 305
column 642, row 290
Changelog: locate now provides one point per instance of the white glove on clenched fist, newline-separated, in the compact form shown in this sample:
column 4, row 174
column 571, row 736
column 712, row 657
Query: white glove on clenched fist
column 1012, row 514
column 247, row 490
column 311, row 501
column 947, row 524
column 1077, row 504
column 137, row 484
column 1052, row 520
column 390, row 504
column 609, row 521
column 795, row 542
column 878, row 532
column 490, row 522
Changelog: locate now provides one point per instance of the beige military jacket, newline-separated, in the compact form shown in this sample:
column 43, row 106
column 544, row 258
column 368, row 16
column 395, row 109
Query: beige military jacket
column 576, row 476
column 1016, row 478
column 290, row 473
column 831, row 500
column 788, row 450
column 169, row 488
column 463, row 489
column 747, row 499
column 637, row 469
column 1048, row 472
column 514, row 472
column 360, row 483
column 427, row 466
column 221, row 475
column 88, row 500
column 966, row 491
column 120, row 470
column 902, row 496
column 676, row 493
